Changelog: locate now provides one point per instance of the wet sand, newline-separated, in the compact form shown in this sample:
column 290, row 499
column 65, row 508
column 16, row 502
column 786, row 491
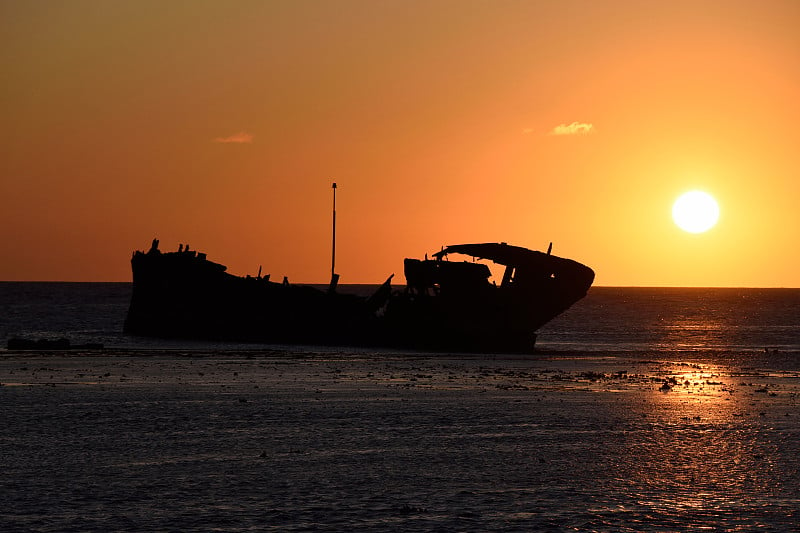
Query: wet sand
column 330, row 440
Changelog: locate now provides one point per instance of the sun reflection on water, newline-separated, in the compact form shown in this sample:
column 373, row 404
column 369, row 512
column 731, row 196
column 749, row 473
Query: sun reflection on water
column 700, row 442
column 692, row 332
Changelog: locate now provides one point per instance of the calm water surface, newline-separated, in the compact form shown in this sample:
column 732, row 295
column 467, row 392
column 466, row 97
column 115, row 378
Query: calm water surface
column 619, row 319
column 337, row 441
column 645, row 410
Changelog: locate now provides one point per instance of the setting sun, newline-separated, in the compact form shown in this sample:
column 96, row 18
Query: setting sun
column 695, row 212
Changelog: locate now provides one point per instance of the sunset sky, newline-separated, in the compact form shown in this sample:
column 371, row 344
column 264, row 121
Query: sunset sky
column 223, row 124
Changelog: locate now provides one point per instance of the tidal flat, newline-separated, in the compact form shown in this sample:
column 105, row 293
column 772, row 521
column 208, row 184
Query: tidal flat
column 297, row 441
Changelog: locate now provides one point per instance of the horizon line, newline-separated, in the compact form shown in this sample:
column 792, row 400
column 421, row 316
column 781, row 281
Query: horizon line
column 403, row 285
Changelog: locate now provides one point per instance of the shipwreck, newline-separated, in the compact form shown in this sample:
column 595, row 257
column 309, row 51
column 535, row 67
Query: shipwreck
column 447, row 304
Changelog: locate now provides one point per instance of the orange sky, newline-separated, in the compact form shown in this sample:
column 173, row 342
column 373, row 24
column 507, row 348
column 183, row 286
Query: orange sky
column 435, row 118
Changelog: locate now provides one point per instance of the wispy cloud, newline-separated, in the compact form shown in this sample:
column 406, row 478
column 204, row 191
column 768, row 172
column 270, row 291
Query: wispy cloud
column 240, row 138
column 576, row 128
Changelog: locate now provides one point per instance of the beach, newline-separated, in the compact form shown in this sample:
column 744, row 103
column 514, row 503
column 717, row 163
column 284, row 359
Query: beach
column 296, row 440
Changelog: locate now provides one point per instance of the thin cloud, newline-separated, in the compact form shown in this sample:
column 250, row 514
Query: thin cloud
column 240, row 138
column 576, row 128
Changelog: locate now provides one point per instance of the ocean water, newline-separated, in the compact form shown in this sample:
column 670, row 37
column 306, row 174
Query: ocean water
column 679, row 319
column 630, row 320
column 641, row 410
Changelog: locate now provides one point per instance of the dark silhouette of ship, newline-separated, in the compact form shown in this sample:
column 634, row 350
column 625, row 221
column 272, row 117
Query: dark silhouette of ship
column 446, row 304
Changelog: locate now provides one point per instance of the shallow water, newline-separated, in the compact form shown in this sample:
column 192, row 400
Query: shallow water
column 292, row 441
column 583, row 435
column 617, row 319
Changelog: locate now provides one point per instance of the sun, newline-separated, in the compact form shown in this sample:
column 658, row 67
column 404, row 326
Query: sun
column 695, row 211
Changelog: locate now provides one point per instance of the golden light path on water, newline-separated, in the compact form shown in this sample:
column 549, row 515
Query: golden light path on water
column 674, row 442
column 703, row 446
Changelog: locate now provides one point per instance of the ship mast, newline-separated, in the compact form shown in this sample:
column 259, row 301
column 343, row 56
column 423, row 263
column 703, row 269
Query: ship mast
column 334, row 275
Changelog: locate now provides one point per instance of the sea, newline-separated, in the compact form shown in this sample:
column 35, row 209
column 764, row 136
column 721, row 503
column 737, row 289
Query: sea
column 616, row 319
column 641, row 409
